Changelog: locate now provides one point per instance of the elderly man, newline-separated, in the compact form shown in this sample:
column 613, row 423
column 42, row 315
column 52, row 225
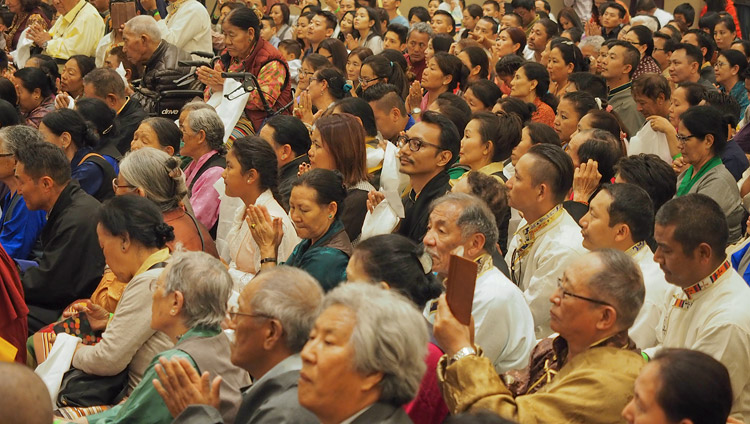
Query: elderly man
column 621, row 217
column 707, row 310
column 187, row 24
column 76, row 31
column 583, row 375
column 71, row 262
column 105, row 84
column 416, row 44
column 548, row 238
column 503, row 323
column 652, row 93
column 143, row 45
column 271, row 324
column 30, row 405
column 350, row 370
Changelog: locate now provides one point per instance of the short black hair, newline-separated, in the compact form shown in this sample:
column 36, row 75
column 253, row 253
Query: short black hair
column 252, row 152
column 694, row 92
column 8, row 114
column 420, row 12
column 328, row 185
column 502, row 129
column 632, row 55
column 645, row 37
column 632, row 206
column 542, row 134
column 697, row 219
column 520, row 108
column 138, row 217
column 604, row 148
column 491, row 20
column 726, row 104
column 508, row 64
column 554, row 167
column 331, row 20
column 645, row 6
column 693, row 386
column 704, row 120
column 547, row 7
column 44, row 160
column 686, row 10
column 593, row 84
column 651, row 85
column 486, row 91
column 449, row 139
column 362, row 110
column 290, row 130
column 106, row 81
column 388, row 94
column 523, row 4
column 495, row 5
column 610, row 4
column 669, row 42
column 166, row 131
column 455, row 109
column 291, row 46
column 704, row 42
column 449, row 16
column 650, row 173
column 400, row 30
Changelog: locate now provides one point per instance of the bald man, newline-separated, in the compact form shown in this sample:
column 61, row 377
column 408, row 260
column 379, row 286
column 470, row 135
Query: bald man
column 32, row 405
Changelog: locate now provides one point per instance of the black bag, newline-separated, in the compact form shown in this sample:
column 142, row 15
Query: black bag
column 82, row 389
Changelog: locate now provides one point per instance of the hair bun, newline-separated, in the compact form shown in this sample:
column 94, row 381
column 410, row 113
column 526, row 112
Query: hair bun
column 164, row 233
column 173, row 167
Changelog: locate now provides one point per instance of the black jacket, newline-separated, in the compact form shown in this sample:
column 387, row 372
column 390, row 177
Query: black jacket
column 417, row 208
column 126, row 122
column 71, row 262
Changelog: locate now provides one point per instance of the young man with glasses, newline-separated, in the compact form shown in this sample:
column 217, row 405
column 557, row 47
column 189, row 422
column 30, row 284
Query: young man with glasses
column 426, row 151
column 549, row 238
column 580, row 375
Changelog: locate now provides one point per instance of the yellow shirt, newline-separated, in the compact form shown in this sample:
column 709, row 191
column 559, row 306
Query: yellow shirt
column 76, row 32
column 156, row 257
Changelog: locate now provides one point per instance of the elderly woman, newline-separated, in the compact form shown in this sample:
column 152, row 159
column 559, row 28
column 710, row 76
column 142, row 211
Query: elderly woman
column 189, row 302
column 26, row 13
column 71, row 79
column 338, row 143
column 315, row 206
column 156, row 175
column 67, row 129
column 133, row 237
column 203, row 142
column 159, row 133
column 350, row 368
column 36, row 94
column 248, row 52
column 701, row 135
column 251, row 174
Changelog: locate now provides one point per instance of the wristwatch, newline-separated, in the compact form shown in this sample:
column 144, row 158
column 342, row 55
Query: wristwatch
column 416, row 111
column 462, row 353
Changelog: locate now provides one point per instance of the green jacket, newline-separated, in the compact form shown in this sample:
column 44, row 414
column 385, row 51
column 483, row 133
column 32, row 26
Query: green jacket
column 327, row 258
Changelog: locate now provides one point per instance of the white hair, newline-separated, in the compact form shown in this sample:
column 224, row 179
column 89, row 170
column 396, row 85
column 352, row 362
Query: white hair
column 594, row 41
column 389, row 336
column 144, row 24
column 645, row 20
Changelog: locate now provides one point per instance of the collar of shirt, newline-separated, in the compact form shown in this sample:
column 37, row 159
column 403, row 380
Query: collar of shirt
column 701, row 286
column 530, row 232
column 355, row 416
column 616, row 90
column 635, row 249
column 68, row 17
column 290, row 363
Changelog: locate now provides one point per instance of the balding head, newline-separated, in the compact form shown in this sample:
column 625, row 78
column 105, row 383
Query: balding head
column 26, row 399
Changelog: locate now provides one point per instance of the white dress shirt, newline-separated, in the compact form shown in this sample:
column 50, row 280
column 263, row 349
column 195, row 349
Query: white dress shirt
column 715, row 321
column 643, row 330
column 187, row 26
column 553, row 248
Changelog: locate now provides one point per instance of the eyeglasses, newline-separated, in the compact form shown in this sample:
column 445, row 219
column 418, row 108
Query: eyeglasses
column 363, row 81
column 115, row 186
column 234, row 312
column 306, row 73
column 415, row 144
column 588, row 299
column 5, row 155
column 682, row 139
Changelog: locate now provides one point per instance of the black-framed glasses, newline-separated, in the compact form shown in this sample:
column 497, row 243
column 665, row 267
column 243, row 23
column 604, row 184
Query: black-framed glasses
column 415, row 143
column 5, row 155
column 588, row 299
column 234, row 312
column 682, row 139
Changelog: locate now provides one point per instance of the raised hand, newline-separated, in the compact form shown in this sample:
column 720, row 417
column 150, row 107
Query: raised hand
column 585, row 180
column 373, row 199
column 180, row 386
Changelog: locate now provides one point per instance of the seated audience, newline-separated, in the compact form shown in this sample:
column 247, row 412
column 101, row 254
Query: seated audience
column 315, row 207
column 77, row 30
column 621, row 217
column 271, row 325
column 705, row 310
column 730, row 69
column 656, row 178
column 652, row 94
column 586, row 373
column 160, row 133
column 443, row 73
column 19, row 226
column 488, row 141
column 702, row 135
column 203, row 142
column 548, row 238
column 252, row 176
column 71, row 79
column 102, row 118
column 572, row 108
column 347, row 377
column 660, row 389
column 188, row 304
column 66, row 129
column 481, row 95
column 188, row 26
column 389, row 110
column 70, row 263
column 155, row 175
column 36, row 94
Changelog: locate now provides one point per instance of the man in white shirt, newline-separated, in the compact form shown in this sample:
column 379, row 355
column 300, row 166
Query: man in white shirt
column 463, row 224
column 76, row 31
column 187, row 25
column 621, row 217
column 707, row 310
column 651, row 93
column 548, row 238
column 648, row 7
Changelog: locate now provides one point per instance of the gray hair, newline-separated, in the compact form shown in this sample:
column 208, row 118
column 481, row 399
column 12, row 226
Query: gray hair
column 157, row 174
column 475, row 217
column 208, row 121
column 205, row 285
column 620, row 283
column 423, row 27
column 389, row 336
column 594, row 41
column 291, row 296
column 19, row 136
column 645, row 20
column 195, row 105
column 144, row 24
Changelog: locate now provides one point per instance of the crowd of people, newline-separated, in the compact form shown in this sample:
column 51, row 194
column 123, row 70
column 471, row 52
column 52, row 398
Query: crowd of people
column 250, row 213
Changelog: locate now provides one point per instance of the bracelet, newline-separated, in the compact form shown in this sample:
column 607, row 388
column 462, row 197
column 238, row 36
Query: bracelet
column 111, row 315
column 337, row 10
column 153, row 12
column 157, row 14
column 462, row 353
column 267, row 260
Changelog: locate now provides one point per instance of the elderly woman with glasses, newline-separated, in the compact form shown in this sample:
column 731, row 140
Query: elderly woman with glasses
column 188, row 303
column 364, row 359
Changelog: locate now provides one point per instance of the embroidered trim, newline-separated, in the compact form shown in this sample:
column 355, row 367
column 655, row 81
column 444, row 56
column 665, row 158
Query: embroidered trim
column 634, row 249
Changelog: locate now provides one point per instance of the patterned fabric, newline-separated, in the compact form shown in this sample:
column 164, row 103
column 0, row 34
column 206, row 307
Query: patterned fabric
column 20, row 23
column 34, row 118
column 544, row 114
column 548, row 357
column 647, row 65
